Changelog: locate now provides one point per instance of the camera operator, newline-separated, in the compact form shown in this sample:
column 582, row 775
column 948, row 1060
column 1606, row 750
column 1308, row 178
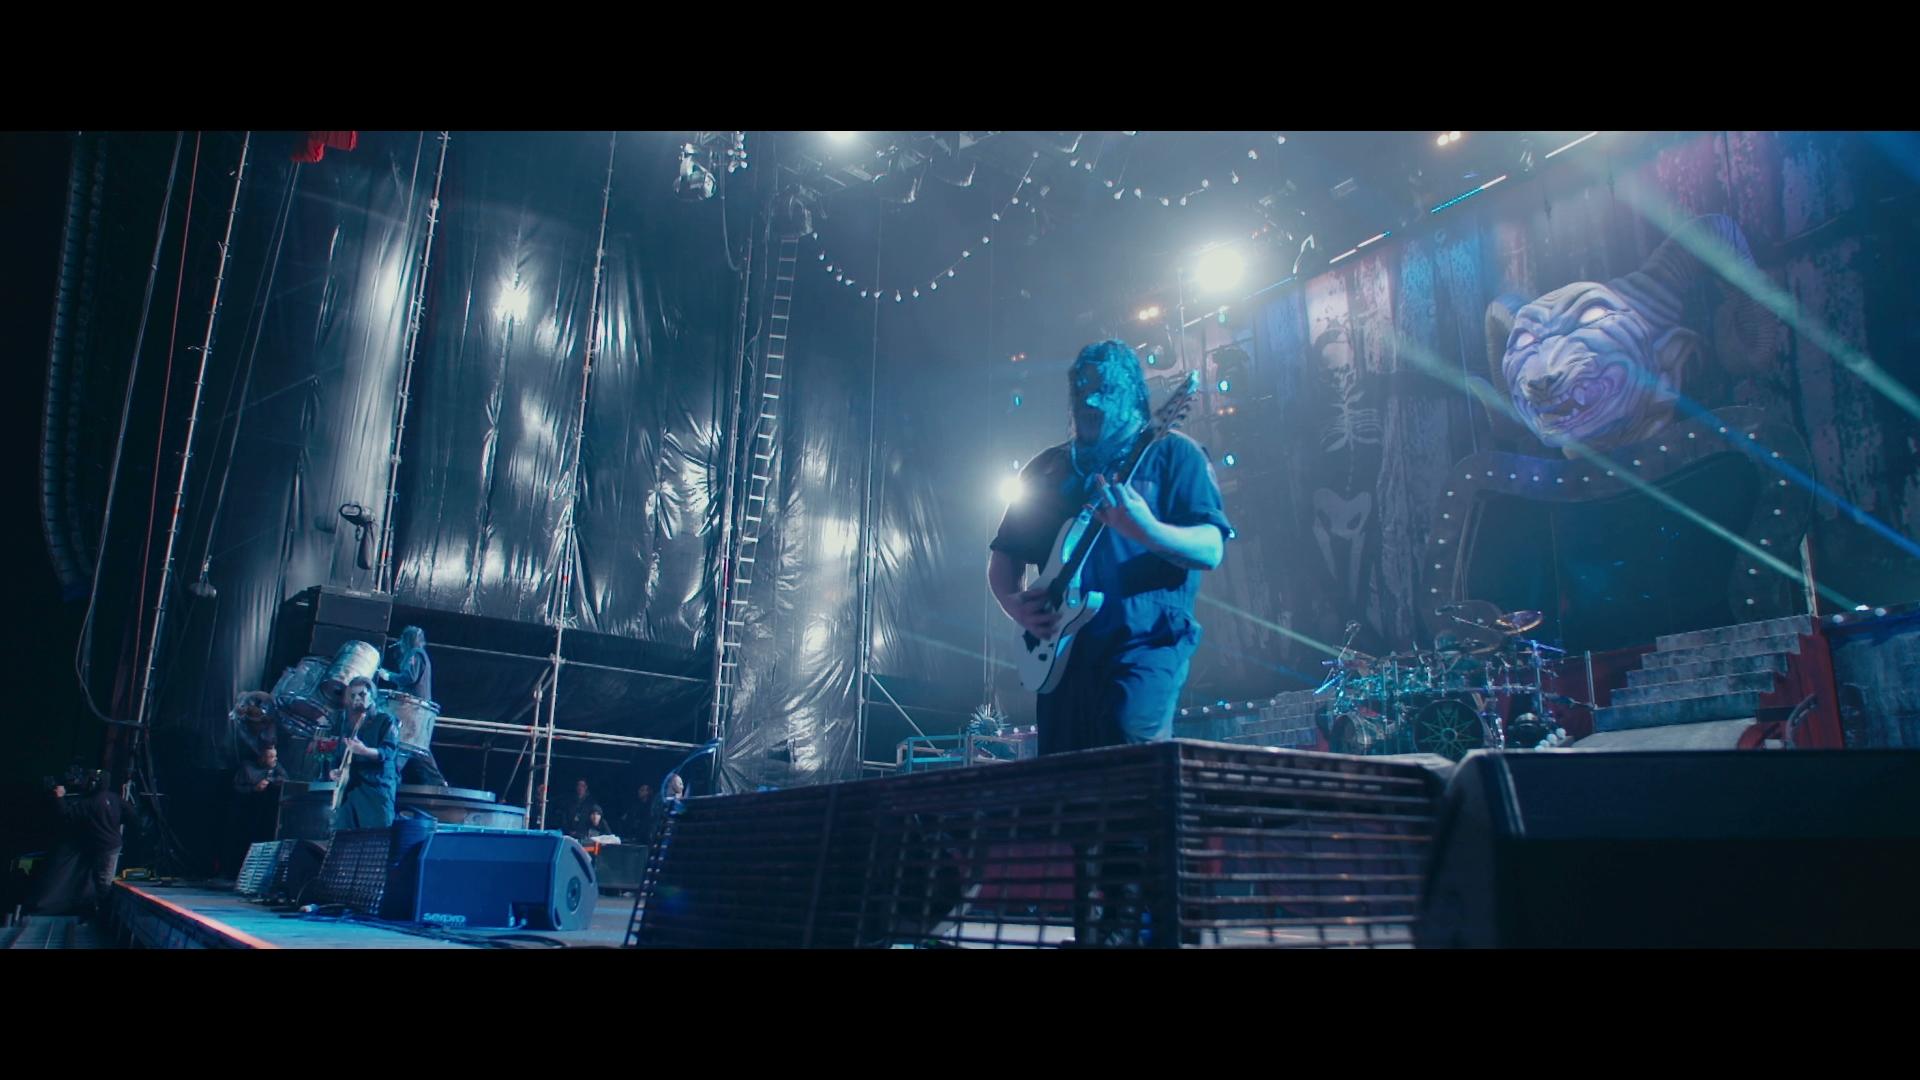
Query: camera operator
column 94, row 816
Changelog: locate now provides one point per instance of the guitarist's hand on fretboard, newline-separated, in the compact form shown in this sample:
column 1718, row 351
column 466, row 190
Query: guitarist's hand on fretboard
column 1123, row 510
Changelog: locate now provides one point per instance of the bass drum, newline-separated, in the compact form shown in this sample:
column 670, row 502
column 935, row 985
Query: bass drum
column 1448, row 726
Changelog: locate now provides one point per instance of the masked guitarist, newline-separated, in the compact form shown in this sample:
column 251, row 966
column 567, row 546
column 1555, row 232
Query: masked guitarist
column 1128, row 661
column 370, row 742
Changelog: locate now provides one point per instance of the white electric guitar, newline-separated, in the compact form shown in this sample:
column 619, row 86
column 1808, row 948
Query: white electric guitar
column 1043, row 661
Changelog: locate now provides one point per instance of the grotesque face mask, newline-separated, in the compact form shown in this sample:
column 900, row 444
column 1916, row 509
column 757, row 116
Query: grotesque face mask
column 1092, row 402
column 1105, row 409
column 359, row 698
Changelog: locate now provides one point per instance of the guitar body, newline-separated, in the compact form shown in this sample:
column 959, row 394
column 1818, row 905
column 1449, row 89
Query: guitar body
column 1043, row 661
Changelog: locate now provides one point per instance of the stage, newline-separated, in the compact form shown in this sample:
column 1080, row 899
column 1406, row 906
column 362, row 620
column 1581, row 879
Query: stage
column 210, row 915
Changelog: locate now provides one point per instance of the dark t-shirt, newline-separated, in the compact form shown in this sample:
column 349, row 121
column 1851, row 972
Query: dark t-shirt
column 1176, row 480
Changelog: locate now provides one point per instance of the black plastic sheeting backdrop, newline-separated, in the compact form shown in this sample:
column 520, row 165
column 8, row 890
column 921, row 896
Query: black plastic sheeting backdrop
column 485, row 521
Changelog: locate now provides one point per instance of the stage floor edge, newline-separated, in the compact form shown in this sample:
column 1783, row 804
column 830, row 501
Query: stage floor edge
column 211, row 916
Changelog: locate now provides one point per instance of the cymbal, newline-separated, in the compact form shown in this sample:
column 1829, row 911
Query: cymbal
column 1518, row 622
column 1470, row 626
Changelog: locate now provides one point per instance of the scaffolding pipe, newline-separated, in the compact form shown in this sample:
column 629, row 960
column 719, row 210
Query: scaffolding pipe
column 141, row 719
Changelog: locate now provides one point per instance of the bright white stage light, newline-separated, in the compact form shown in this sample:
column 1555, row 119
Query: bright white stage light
column 512, row 302
column 1219, row 269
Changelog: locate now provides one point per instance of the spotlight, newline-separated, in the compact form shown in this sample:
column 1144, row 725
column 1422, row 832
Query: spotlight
column 1148, row 314
column 841, row 136
column 1220, row 269
column 1011, row 490
column 1230, row 461
column 695, row 181
column 792, row 216
column 513, row 301
column 1231, row 365
column 357, row 516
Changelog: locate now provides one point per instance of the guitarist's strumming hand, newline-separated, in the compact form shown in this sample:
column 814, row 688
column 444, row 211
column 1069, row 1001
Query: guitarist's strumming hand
column 1030, row 609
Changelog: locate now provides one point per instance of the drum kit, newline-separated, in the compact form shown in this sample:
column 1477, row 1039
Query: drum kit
column 309, row 691
column 1449, row 699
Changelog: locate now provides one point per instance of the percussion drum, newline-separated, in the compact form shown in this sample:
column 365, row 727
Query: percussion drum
column 414, row 717
column 1449, row 726
column 298, row 695
column 355, row 660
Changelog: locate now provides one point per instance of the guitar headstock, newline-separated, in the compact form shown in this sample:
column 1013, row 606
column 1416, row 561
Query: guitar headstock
column 1175, row 408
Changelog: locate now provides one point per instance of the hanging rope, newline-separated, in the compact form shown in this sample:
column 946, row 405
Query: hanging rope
column 83, row 648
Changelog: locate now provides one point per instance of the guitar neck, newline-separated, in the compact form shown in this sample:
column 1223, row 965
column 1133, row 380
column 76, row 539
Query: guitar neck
column 1131, row 465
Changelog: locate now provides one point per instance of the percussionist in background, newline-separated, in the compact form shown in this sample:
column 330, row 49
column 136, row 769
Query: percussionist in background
column 254, row 724
column 413, row 674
